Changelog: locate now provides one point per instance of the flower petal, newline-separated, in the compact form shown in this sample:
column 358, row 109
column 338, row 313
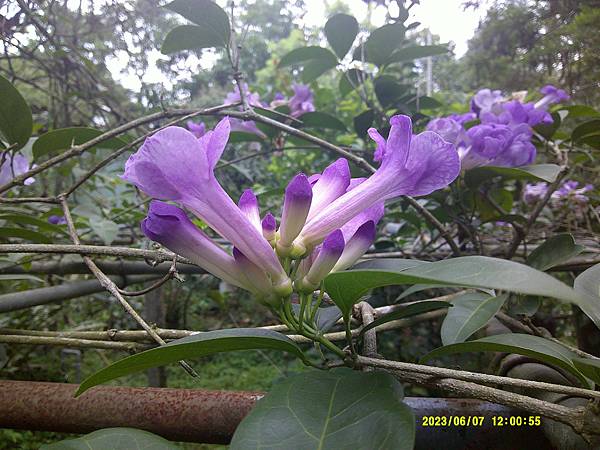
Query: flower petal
column 331, row 184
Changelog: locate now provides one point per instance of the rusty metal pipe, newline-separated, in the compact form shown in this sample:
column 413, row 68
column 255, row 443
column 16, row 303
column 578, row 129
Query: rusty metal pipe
column 212, row 416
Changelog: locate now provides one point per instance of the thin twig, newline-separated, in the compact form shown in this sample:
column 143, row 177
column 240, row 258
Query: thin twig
column 112, row 287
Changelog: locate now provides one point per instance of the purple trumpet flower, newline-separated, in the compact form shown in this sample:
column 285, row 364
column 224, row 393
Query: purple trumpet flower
column 170, row 226
column 197, row 129
column 245, row 126
column 248, row 204
column 485, row 101
column 534, row 192
column 329, row 185
column 296, row 205
column 12, row 166
column 569, row 190
column 174, row 165
column 515, row 113
column 329, row 254
column 463, row 118
column 302, row 101
column 356, row 246
column 410, row 165
column 552, row 95
column 256, row 278
column 57, row 220
column 449, row 129
column 269, row 227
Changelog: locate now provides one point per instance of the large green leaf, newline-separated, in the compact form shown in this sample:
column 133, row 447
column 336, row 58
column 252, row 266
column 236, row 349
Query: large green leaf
column 574, row 111
column 588, row 282
column 363, row 122
column 16, row 123
column 471, row 312
column 208, row 15
column 345, row 288
column 317, row 119
column 521, row 344
column 380, row 44
column 24, row 233
column 416, row 52
column 537, row 172
column 589, row 367
column 64, row 138
column 114, row 439
column 591, row 127
column 201, row 344
column 314, row 68
column 29, row 220
column 329, row 410
column 303, row 54
column 407, row 311
column 340, row 31
column 555, row 250
column 189, row 37
column 388, row 90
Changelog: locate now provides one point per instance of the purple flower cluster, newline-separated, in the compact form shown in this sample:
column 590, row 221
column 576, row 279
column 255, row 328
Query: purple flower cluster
column 568, row 196
column 12, row 166
column 328, row 220
column 300, row 103
column 503, row 135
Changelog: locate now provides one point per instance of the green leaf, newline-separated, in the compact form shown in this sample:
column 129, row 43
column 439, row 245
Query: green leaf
column 23, row 233
column 575, row 111
column 29, row 220
column 195, row 346
column 16, row 123
column 241, row 136
column 425, row 102
column 114, row 439
column 589, row 367
column 64, row 138
column 554, row 251
column 363, row 122
column 350, row 80
column 417, row 288
column 588, row 282
column 407, row 311
column 208, row 15
column 471, row 312
column 313, row 69
column 340, row 31
column 303, row 54
column 521, row 344
column 345, row 288
column 380, row 45
column 586, row 129
column 329, row 410
column 388, row 90
column 547, row 130
column 189, row 37
column 107, row 230
column 318, row 119
column 416, row 52
column 537, row 172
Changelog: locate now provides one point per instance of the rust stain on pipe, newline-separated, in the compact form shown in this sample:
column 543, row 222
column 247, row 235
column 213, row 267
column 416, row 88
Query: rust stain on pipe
column 197, row 415
column 177, row 414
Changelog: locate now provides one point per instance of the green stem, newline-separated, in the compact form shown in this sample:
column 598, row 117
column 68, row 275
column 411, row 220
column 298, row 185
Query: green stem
column 303, row 299
column 315, row 308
